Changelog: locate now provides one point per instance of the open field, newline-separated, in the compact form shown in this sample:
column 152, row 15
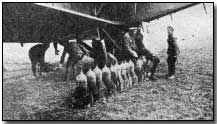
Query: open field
column 189, row 96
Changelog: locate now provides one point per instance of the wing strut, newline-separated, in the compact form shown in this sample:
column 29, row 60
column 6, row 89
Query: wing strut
column 111, row 38
column 204, row 6
column 21, row 43
column 97, row 13
column 98, row 33
column 135, row 5
column 171, row 17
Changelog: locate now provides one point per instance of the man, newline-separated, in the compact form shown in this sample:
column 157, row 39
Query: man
column 173, row 51
column 129, row 47
column 143, row 51
column 36, row 55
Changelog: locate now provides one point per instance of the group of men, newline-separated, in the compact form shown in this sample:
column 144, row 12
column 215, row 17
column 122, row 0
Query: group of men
column 132, row 48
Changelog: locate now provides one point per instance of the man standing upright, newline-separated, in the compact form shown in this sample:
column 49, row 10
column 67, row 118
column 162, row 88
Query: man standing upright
column 173, row 51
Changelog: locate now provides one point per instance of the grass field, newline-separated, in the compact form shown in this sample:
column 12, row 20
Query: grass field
column 188, row 97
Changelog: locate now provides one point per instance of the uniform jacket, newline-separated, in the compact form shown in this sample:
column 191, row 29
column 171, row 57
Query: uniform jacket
column 129, row 44
column 139, row 41
column 173, row 48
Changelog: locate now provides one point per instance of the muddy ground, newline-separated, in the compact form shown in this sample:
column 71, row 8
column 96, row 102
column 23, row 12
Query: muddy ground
column 188, row 97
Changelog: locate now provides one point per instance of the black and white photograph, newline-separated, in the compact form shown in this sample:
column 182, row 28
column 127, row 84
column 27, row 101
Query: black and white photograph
column 107, row 61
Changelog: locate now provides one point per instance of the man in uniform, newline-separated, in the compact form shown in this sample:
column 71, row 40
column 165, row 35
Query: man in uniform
column 143, row 51
column 129, row 46
column 173, row 51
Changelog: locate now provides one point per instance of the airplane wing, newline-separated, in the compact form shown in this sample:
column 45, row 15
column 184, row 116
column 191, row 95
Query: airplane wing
column 42, row 22
column 28, row 22
column 155, row 10
column 137, row 12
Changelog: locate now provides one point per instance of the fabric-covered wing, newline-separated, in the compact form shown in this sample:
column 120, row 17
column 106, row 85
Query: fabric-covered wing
column 137, row 12
column 42, row 22
column 150, row 11
column 28, row 22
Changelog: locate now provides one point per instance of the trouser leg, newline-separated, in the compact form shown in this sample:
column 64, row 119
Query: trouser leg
column 34, row 61
column 55, row 47
column 63, row 57
column 155, row 62
column 171, row 61
column 173, row 68
column 41, row 65
column 34, row 68
column 69, row 64
column 169, row 66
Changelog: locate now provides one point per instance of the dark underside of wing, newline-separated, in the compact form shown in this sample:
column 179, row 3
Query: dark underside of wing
column 43, row 22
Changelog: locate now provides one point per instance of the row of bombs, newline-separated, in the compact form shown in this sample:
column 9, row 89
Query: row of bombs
column 101, row 83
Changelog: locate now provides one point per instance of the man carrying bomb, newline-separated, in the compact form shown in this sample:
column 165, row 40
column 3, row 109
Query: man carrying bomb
column 36, row 55
column 143, row 51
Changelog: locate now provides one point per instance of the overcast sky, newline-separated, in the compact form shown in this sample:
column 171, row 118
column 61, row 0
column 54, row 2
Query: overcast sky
column 188, row 22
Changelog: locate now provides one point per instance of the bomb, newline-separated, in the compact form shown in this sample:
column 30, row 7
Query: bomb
column 81, row 80
column 99, row 83
column 91, row 82
column 146, row 68
column 80, row 96
column 124, row 75
column 139, row 71
column 114, row 74
column 132, row 73
column 106, row 77
column 130, row 80
column 120, row 78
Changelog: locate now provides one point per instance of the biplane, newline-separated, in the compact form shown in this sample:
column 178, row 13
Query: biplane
column 43, row 22
column 54, row 22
